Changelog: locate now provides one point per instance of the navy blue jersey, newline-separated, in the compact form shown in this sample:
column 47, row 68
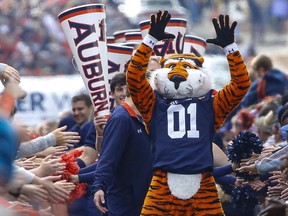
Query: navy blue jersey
column 181, row 134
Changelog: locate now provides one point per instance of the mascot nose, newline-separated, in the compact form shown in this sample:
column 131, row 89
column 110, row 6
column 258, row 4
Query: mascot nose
column 177, row 80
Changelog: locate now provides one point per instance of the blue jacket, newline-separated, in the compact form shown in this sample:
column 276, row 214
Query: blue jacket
column 276, row 83
column 9, row 144
column 124, row 169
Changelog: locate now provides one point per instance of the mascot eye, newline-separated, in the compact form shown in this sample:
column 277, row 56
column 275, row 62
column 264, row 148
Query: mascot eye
column 187, row 66
column 172, row 66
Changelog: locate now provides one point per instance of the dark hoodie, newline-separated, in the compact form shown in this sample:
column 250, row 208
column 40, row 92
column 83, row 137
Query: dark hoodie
column 274, row 82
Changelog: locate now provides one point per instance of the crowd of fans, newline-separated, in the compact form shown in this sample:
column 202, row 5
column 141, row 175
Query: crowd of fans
column 32, row 41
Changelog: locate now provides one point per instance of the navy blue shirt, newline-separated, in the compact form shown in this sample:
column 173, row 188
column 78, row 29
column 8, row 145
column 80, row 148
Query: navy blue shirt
column 124, row 169
column 68, row 121
column 91, row 135
column 82, row 131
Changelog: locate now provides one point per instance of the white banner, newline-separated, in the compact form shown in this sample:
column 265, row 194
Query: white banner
column 47, row 97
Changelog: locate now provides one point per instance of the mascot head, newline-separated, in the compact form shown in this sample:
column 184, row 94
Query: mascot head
column 181, row 76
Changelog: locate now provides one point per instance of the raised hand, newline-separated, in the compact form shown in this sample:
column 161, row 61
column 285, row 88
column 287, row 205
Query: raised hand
column 9, row 73
column 224, row 33
column 257, row 184
column 250, row 160
column 50, row 166
column 284, row 193
column 57, row 194
column 277, row 177
column 275, row 191
column 35, row 192
column 23, row 198
column 68, row 186
column 270, row 149
column 251, row 169
column 158, row 25
column 27, row 163
column 53, row 150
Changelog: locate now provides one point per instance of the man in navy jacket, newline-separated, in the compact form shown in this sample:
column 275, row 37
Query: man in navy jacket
column 124, row 169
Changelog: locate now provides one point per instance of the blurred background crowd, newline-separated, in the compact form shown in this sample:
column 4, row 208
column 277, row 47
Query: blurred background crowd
column 33, row 42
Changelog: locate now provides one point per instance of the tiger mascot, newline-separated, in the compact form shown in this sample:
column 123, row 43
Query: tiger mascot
column 182, row 113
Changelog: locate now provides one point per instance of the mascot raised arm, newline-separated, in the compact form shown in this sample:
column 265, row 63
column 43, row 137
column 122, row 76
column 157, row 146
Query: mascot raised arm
column 182, row 112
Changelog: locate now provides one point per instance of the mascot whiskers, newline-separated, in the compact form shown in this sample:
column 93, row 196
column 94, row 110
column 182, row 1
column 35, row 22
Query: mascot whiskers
column 182, row 112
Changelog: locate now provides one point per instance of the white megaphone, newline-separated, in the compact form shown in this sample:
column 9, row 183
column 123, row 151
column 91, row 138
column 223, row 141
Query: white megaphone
column 85, row 30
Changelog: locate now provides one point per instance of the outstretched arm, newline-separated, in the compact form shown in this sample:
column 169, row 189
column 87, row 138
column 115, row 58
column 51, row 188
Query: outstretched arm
column 231, row 95
column 139, row 87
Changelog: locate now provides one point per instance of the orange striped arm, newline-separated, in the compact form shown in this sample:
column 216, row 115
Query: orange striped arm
column 138, row 85
column 227, row 99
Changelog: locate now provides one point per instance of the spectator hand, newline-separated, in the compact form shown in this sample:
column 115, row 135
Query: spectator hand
column 284, row 194
column 99, row 200
column 99, row 122
column 23, row 204
column 270, row 149
column 158, row 25
column 65, row 138
column 224, row 33
column 257, row 184
column 51, row 166
column 57, row 194
column 68, row 186
column 10, row 73
column 54, row 150
column 27, row 163
column 35, row 192
column 235, row 166
column 251, row 169
column 74, row 179
column 250, row 160
column 23, row 199
column 275, row 191
column 13, row 88
column 277, row 177
column 273, row 207
column 238, row 182
column 284, row 159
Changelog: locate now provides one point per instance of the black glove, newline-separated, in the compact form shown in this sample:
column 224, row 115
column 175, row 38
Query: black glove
column 158, row 25
column 224, row 33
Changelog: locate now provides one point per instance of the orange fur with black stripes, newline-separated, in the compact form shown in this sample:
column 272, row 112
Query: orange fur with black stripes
column 159, row 200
